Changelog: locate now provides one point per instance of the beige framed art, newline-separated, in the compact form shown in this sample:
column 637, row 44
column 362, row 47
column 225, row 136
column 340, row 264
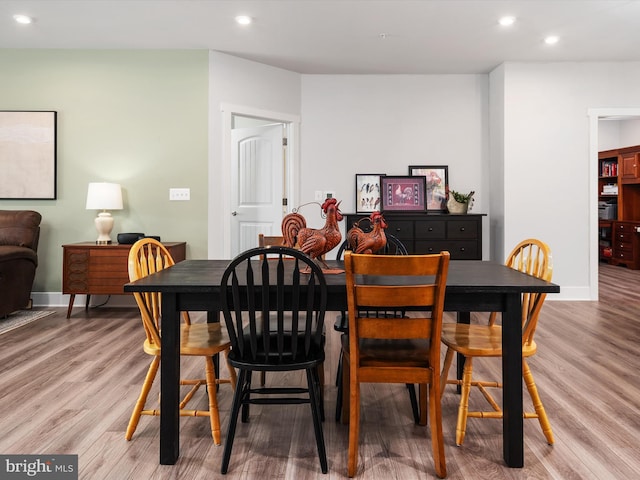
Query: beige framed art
column 28, row 155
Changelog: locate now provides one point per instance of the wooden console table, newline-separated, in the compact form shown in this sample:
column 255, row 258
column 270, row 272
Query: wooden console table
column 90, row 269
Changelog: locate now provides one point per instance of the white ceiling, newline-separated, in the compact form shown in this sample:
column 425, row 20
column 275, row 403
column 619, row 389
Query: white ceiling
column 340, row 36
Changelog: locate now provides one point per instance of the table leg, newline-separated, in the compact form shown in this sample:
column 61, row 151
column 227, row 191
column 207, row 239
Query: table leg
column 463, row 317
column 169, row 381
column 72, row 298
column 213, row 316
column 512, row 423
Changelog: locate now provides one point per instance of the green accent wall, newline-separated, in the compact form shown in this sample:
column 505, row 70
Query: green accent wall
column 134, row 117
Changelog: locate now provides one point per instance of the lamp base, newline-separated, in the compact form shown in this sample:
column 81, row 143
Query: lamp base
column 104, row 225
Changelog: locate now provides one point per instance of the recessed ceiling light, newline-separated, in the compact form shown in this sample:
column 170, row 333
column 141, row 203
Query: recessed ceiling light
column 507, row 21
column 23, row 19
column 243, row 19
column 551, row 40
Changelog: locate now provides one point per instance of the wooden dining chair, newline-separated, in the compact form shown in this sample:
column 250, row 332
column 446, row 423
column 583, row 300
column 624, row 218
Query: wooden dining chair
column 274, row 313
column 530, row 256
column 379, row 349
column 148, row 256
column 394, row 246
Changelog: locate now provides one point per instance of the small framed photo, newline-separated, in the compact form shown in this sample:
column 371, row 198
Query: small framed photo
column 437, row 184
column 403, row 193
column 368, row 192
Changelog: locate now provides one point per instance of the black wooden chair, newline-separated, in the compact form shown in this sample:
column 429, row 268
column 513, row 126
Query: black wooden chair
column 274, row 313
column 393, row 247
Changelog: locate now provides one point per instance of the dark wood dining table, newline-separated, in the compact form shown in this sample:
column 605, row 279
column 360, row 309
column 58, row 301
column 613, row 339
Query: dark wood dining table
column 472, row 286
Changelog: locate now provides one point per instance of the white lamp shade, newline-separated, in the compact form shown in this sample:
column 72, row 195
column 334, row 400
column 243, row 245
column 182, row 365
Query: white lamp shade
column 104, row 196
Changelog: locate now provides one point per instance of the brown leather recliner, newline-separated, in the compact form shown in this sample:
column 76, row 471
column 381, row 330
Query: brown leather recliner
column 19, row 235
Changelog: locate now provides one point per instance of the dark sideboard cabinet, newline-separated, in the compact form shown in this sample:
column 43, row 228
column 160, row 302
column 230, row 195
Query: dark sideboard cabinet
column 460, row 235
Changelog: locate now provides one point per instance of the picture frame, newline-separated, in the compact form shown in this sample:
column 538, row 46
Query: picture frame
column 437, row 184
column 28, row 155
column 403, row 193
column 368, row 192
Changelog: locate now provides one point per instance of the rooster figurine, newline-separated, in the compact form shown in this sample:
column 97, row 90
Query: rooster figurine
column 370, row 242
column 314, row 242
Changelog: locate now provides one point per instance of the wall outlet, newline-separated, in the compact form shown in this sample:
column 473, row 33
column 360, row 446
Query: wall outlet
column 179, row 194
column 318, row 196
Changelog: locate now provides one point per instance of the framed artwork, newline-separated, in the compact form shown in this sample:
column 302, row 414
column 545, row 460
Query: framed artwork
column 368, row 192
column 403, row 193
column 27, row 155
column 437, row 184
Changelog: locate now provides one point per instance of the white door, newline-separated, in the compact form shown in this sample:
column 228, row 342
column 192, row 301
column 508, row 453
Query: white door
column 257, row 170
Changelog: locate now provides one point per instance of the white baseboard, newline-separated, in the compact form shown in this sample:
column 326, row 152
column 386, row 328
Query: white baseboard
column 57, row 299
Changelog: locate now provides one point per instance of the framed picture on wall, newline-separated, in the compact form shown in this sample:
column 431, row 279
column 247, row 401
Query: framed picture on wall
column 403, row 193
column 368, row 192
column 437, row 184
column 28, row 155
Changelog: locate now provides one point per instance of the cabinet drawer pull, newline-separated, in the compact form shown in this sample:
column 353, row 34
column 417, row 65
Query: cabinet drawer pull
column 430, row 229
column 462, row 229
column 462, row 249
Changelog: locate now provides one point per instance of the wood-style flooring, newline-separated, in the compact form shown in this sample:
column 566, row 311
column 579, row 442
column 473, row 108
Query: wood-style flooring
column 68, row 386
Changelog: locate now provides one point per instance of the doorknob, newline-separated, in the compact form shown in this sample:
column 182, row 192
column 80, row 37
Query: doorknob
column 234, row 213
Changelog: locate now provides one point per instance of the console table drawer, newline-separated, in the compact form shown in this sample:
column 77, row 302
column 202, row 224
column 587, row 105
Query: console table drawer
column 400, row 229
column 431, row 230
column 459, row 250
column 462, row 229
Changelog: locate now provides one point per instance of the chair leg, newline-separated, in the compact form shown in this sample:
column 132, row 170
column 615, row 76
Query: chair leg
column 233, row 379
column 246, row 395
column 437, row 439
column 354, row 426
column 463, row 409
column 423, row 391
column 233, row 420
column 313, row 384
column 345, row 389
column 142, row 399
column 339, row 389
column 414, row 403
column 537, row 403
column 214, row 415
column 448, row 360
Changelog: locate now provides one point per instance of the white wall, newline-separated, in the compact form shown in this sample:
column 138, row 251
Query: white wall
column 384, row 123
column 546, row 157
column 259, row 88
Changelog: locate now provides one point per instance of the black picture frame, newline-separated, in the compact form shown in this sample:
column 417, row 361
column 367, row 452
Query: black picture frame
column 368, row 192
column 437, row 185
column 403, row 193
column 28, row 155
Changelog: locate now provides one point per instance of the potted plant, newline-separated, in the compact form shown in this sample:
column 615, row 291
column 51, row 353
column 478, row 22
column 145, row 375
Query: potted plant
column 459, row 203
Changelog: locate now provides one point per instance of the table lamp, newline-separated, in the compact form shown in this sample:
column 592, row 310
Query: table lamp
column 104, row 196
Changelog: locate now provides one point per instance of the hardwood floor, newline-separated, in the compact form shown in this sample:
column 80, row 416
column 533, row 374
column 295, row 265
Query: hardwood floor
column 68, row 386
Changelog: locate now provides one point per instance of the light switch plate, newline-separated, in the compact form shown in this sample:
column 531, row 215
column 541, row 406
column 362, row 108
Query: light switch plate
column 180, row 194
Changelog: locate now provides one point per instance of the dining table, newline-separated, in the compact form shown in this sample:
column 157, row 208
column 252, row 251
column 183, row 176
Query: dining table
column 472, row 286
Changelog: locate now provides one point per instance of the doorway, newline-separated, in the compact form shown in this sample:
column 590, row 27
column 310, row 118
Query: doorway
column 261, row 172
column 596, row 116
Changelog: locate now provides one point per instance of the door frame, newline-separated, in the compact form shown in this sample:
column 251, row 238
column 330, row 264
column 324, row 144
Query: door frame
column 595, row 114
column 292, row 168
